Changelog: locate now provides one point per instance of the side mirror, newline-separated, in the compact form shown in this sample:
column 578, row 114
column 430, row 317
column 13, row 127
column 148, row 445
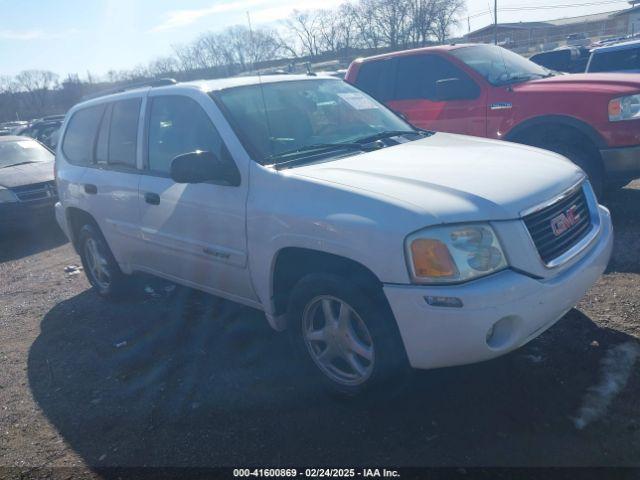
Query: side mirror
column 453, row 89
column 199, row 166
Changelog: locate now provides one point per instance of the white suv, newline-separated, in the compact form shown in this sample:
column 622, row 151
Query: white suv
column 376, row 245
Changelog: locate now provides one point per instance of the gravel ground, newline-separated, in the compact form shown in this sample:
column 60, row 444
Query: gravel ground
column 183, row 379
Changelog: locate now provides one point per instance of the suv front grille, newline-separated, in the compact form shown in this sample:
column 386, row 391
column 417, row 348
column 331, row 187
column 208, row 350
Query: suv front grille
column 556, row 228
column 36, row 191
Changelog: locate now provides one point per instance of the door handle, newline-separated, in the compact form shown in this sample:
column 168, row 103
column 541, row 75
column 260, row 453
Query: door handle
column 152, row 198
column 90, row 188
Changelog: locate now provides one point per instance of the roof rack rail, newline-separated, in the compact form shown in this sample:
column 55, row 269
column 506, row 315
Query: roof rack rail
column 159, row 82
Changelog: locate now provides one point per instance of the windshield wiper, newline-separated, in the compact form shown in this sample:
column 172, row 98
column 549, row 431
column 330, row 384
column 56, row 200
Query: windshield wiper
column 19, row 163
column 524, row 78
column 389, row 134
column 320, row 147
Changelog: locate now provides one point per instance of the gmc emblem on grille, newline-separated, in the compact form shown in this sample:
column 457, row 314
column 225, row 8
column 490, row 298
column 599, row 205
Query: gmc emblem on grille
column 563, row 222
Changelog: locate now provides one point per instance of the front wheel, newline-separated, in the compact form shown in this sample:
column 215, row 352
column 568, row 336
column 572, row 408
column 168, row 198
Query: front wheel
column 347, row 338
column 583, row 155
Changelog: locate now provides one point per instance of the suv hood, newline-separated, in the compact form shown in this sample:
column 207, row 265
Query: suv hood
column 452, row 178
column 584, row 83
column 26, row 174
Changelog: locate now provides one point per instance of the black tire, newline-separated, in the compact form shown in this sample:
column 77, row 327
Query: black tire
column 118, row 282
column 585, row 156
column 390, row 367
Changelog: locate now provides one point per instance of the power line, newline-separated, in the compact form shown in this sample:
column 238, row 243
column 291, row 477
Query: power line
column 546, row 7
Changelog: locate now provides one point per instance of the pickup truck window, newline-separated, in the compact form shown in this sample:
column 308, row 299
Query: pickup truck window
column 499, row 66
column 377, row 78
column 278, row 117
column 178, row 125
column 417, row 76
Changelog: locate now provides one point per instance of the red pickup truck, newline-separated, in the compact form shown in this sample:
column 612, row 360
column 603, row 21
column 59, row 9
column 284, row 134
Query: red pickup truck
column 488, row 91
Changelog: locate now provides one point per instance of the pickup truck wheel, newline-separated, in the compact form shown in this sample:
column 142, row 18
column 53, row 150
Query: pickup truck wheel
column 100, row 267
column 579, row 155
column 345, row 335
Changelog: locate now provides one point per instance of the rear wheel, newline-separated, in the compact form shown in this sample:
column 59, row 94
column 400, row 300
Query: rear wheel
column 346, row 336
column 100, row 266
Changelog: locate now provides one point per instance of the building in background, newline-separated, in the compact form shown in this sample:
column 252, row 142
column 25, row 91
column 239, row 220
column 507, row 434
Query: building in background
column 536, row 36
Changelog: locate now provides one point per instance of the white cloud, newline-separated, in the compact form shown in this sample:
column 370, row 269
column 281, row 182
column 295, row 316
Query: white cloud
column 182, row 18
column 280, row 12
column 21, row 34
column 35, row 34
column 272, row 10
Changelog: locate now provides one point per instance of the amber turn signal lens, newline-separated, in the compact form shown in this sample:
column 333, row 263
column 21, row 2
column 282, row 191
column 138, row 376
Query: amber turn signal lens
column 431, row 258
column 615, row 108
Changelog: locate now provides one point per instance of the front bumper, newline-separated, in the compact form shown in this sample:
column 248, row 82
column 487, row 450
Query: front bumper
column 18, row 215
column 621, row 163
column 519, row 308
column 61, row 218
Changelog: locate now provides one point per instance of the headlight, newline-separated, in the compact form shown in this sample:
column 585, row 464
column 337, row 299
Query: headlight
column 624, row 108
column 455, row 253
column 7, row 196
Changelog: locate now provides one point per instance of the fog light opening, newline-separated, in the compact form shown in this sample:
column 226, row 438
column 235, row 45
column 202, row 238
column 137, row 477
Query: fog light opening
column 502, row 333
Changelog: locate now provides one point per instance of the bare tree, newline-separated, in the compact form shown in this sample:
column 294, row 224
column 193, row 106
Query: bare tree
column 162, row 66
column 446, row 16
column 305, row 27
column 423, row 14
column 364, row 14
column 345, row 17
column 37, row 84
column 7, row 84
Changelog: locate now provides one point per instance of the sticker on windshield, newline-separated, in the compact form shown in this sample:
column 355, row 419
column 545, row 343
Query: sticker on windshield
column 26, row 144
column 358, row 101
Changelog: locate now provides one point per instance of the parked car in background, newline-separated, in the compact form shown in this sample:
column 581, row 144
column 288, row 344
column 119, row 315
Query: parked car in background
column 46, row 130
column 8, row 128
column 578, row 40
column 564, row 59
column 487, row 91
column 376, row 245
column 621, row 57
column 27, row 186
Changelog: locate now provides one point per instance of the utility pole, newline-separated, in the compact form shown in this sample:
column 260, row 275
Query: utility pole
column 495, row 22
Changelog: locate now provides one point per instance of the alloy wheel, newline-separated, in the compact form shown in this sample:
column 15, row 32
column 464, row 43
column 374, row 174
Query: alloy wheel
column 338, row 340
column 97, row 264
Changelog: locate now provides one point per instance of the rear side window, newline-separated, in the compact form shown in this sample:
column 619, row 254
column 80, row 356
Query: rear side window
column 102, row 143
column 416, row 77
column 80, row 135
column 124, row 132
column 376, row 78
column 616, row 61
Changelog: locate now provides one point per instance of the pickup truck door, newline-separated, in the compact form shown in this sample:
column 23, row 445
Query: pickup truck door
column 195, row 233
column 420, row 81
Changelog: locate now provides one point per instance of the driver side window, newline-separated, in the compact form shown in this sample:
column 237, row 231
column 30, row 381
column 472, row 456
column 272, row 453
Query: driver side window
column 178, row 125
column 417, row 77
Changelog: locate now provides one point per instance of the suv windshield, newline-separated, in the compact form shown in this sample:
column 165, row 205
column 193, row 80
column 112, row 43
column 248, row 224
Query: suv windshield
column 276, row 119
column 15, row 152
column 500, row 66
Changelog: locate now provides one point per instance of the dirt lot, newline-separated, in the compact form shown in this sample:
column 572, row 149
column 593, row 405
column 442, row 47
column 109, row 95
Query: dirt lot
column 185, row 379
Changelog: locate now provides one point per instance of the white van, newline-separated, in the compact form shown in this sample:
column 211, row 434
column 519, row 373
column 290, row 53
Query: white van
column 378, row 246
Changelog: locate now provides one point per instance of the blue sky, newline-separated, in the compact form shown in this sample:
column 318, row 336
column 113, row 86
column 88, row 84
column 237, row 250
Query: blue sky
column 99, row 35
